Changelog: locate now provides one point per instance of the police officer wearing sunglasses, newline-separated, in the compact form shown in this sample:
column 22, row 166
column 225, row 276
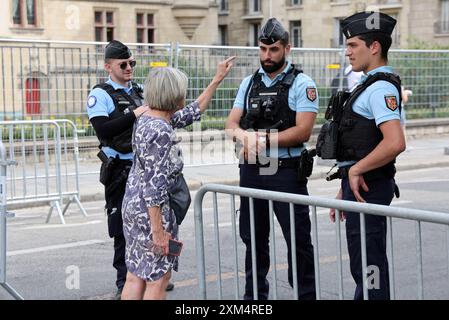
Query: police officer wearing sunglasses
column 112, row 107
column 273, row 116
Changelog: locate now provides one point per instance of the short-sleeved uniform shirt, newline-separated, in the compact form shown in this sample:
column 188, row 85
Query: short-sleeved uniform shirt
column 100, row 104
column 298, row 99
column 377, row 102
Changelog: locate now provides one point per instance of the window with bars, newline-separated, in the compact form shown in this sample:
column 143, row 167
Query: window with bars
column 296, row 34
column 338, row 39
column 223, row 33
column 104, row 25
column 24, row 13
column 145, row 27
column 254, row 32
column 396, row 35
column 223, row 6
column 254, row 6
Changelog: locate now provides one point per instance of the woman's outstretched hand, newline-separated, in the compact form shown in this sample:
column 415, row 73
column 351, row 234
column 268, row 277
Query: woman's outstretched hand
column 223, row 69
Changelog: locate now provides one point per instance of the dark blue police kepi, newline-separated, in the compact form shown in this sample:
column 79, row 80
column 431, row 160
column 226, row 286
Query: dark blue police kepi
column 272, row 31
column 367, row 22
column 116, row 50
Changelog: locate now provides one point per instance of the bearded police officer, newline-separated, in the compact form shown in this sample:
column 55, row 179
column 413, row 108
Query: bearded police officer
column 112, row 108
column 369, row 138
column 272, row 118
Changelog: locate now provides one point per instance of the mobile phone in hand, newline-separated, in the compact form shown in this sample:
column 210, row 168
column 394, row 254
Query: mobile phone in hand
column 174, row 247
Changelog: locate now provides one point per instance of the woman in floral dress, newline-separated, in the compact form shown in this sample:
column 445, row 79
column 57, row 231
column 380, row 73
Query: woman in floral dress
column 148, row 221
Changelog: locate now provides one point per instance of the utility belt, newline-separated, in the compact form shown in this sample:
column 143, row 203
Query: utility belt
column 303, row 164
column 110, row 164
column 265, row 162
column 376, row 174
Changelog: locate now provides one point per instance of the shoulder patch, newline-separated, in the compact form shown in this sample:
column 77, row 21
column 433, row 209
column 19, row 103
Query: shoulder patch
column 392, row 102
column 91, row 101
column 311, row 93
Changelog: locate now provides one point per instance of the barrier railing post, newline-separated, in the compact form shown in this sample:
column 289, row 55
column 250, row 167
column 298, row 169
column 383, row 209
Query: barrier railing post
column 391, row 262
column 3, row 230
column 273, row 250
column 294, row 265
column 56, row 204
column 316, row 253
column 234, row 244
column 199, row 243
column 217, row 239
column 419, row 264
column 253, row 248
column 74, row 195
column 364, row 256
column 339, row 255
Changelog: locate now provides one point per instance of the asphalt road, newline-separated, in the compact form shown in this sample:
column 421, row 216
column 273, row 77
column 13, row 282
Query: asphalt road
column 73, row 261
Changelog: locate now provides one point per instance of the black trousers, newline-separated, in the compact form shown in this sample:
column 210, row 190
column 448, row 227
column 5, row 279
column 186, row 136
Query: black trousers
column 114, row 193
column 285, row 180
column 381, row 191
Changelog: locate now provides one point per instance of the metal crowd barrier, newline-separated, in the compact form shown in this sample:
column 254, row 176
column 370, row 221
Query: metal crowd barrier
column 4, row 163
column 46, row 170
column 425, row 72
column 418, row 216
column 70, row 171
column 41, row 79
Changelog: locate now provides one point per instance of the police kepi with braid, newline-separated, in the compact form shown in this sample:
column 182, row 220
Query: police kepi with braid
column 364, row 135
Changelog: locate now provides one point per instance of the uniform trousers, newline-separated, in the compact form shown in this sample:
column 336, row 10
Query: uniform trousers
column 285, row 180
column 114, row 193
column 381, row 192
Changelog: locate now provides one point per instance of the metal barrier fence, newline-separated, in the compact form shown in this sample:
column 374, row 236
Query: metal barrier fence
column 425, row 72
column 3, row 216
column 51, row 79
column 47, row 163
column 418, row 216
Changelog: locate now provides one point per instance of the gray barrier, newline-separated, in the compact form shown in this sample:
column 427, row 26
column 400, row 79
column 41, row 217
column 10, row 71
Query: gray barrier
column 40, row 79
column 46, row 163
column 418, row 216
column 3, row 228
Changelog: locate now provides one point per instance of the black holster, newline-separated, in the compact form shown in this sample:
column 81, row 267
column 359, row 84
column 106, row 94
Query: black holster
column 106, row 168
column 306, row 164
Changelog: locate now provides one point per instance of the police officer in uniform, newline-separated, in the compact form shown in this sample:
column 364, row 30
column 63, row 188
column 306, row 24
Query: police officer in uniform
column 369, row 140
column 112, row 108
column 276, row 106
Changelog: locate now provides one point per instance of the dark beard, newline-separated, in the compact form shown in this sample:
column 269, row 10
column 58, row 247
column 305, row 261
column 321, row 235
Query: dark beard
column 274, row 67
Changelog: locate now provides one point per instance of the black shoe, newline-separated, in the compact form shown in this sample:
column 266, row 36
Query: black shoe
column 118, row 294
column 170, row 287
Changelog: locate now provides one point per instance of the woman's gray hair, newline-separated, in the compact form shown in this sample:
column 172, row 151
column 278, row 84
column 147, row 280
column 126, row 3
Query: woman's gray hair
column 165, row 88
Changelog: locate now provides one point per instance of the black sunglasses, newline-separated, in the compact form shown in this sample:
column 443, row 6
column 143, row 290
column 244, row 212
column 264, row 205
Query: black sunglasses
column 124, row 64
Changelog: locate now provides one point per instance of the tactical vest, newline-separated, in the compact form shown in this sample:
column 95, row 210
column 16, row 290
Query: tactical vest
column 267, row 108
column 357, row 135
column 124, row 104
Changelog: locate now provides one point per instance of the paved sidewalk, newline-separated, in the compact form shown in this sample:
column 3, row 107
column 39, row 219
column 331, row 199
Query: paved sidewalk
column 420, row 153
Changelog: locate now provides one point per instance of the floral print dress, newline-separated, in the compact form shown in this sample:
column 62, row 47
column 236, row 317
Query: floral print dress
column 157, row 162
